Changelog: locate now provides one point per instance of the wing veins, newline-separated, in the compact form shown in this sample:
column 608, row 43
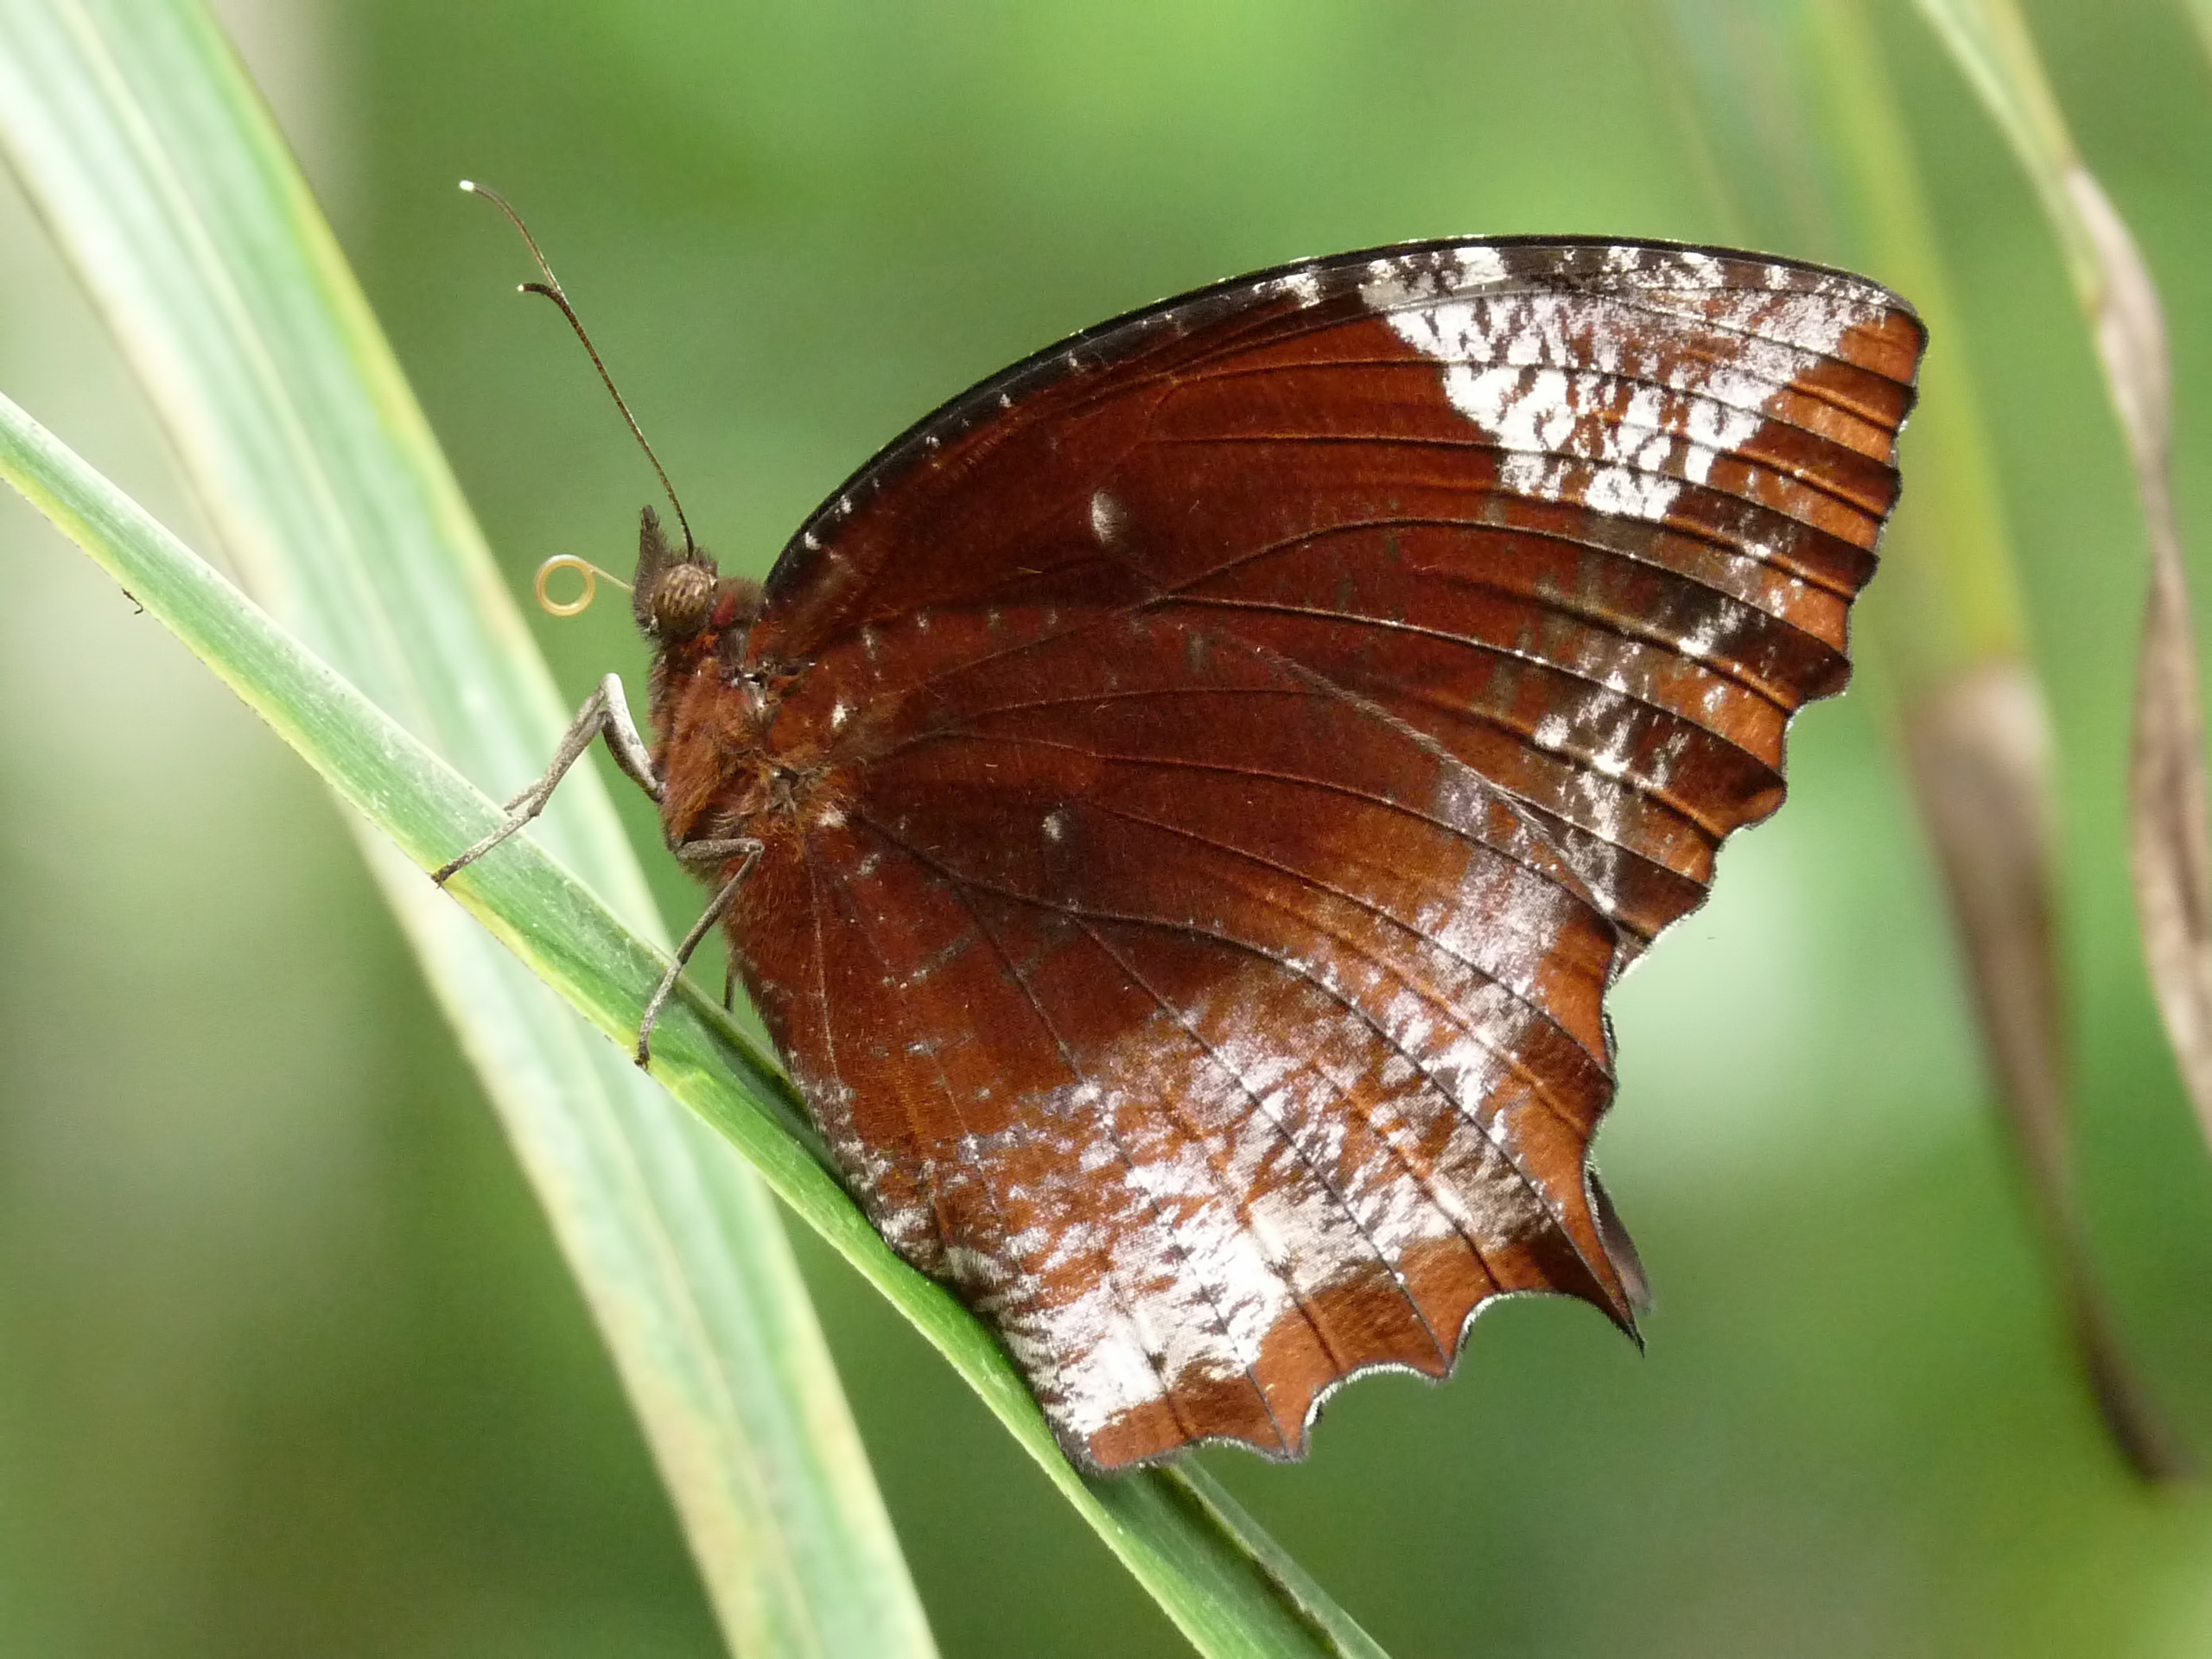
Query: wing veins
column 1082, row 913
column 937, row 1203
column 1597, row 621
column 1181, row 594
column 1136, row 1179
column 1413, row 813
column 1726, row 549
column 1749, row 463
column 1637, row 786
column 1343, row 1202
column 966, row 1145
column 1085, row 700
column 1438, row 998
column 1215, row 376
column 1219, row 1177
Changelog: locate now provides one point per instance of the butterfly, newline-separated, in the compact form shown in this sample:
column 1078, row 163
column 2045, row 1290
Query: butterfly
column 1180, row 808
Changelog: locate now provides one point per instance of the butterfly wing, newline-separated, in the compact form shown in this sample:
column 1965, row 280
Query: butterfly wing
column 1252, row 737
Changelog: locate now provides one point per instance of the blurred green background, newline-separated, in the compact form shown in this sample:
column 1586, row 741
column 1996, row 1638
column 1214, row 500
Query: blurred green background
column 286, row 1362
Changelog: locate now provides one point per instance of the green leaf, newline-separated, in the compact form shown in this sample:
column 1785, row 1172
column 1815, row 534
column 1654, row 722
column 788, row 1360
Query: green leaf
column 155, row 166
column 176, row 202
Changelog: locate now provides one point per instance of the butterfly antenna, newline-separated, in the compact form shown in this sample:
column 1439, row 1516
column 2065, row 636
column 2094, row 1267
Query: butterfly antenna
column 551, row 289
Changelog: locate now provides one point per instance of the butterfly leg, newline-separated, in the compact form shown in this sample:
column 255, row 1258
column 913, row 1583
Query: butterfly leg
column 696, row 852
column 606, row 713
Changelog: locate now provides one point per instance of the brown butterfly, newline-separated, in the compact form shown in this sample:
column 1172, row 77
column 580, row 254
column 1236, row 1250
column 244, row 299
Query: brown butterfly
column 1179, row 808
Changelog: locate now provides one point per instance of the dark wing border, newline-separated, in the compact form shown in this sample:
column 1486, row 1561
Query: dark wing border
column 1120, row 337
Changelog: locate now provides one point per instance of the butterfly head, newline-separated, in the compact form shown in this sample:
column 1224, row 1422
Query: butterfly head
column 679, row 593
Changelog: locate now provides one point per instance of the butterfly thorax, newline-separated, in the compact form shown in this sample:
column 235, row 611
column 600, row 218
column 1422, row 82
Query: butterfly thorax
column 729, row 769
column 731, row 766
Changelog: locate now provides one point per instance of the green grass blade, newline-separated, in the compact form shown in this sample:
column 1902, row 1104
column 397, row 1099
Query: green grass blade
column 2171, row 829
column 1811, row 143
column 1230, row 1589
column 176, row 202
column 153, row 161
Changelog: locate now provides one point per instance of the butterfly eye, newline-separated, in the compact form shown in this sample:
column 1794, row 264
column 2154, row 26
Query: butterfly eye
column 682, row 598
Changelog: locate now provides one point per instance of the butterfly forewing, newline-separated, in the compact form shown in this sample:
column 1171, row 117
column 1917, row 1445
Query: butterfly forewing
column 1243, row 746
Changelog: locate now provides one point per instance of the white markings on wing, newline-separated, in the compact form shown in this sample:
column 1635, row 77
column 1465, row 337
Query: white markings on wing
column 1208, row 1290
column 1623, row 434
column 1303, row 285
column 1107, row 519
column 1616, row 383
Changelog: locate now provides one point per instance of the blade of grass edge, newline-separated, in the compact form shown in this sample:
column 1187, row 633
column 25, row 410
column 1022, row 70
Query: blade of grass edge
column 147, row 153
column 1226, row 1586
column 2171, row 835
